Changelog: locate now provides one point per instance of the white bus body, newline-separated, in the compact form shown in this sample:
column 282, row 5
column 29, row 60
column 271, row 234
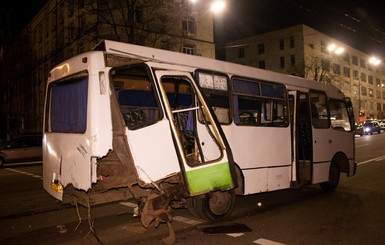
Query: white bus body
column 283, row 131
column 305, row 149
column 118, row 126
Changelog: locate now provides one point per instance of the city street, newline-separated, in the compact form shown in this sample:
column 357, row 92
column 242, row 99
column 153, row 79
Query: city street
column 353, row 214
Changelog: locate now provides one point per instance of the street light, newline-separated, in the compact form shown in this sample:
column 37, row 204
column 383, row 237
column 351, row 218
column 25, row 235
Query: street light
column 218, row 6
column 374, row 60
column 335, row 49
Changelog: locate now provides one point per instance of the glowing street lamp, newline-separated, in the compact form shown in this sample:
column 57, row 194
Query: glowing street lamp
column 374, row 60
column 218, row 6
column 335, row 49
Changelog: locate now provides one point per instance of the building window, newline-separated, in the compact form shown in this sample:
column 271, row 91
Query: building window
column 241, row 53
column 371, row 92
column 53, row 22
column 325, row 64
column 188, row 26
column 354, row 60
column 70, row 8
column 355, row 89
column 281, row 44
column 292, row 60
column 188, row 49
column 292, row 42
column 282, row 62
column 363, row 77
column 383, row 96
column 378, row 82
column 261, row 48
column 81, row 3
column 355, row 75
column 362, row 63
column 336, row 69
column 363, row 90
column 138, row 16
column 346, row 72
column 346, row 58
column 370, row 79
column 323, row 47
column 378, row 94
column 82, row 22
column 81, row 48
column 261, row 64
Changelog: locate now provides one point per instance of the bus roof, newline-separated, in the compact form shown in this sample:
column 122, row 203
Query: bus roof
column 165, row 56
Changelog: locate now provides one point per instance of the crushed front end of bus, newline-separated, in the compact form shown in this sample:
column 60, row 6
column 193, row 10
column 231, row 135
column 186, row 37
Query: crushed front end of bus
column 112, row 132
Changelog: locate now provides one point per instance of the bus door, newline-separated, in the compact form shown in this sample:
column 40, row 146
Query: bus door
column 203, row 158
column 321, row 136
column 301, row 136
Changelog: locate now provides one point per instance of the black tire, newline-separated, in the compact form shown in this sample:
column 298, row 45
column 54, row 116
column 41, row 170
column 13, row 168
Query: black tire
column 214, row 206
column 334, row 178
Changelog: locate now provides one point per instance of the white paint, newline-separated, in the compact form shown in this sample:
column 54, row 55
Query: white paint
column 262, row 241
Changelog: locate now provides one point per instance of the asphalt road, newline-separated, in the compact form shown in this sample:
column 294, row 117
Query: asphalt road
column 353, row 214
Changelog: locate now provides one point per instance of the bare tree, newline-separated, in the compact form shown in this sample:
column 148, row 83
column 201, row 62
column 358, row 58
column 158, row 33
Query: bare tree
column 156, row 23
column 317, row 67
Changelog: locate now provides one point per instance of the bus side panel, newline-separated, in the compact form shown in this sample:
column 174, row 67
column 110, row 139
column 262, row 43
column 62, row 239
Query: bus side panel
column 259, row 181
column 263, row 154
column 158, row 158
column 320, row 172
column 279, row 178
column 99, row 121
column 256, row 147
column 67, row 160
column 342, row 142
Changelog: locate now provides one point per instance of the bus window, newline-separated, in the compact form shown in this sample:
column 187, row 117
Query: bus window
column 339, row 116
column 259, row 104
column 68, row 105
column 215, row 88
column 182, row 100
column 319, row 109
column 136, row 96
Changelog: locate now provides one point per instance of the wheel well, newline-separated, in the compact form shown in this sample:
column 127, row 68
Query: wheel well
column 240, row 189
column 342, row 161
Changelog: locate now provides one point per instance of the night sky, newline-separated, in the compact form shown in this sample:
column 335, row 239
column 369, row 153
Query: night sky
column 15, row 15
column 359, row 23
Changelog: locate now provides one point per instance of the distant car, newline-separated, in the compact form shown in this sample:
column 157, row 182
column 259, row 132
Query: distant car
column 382, row 123
column 371, row 127
column 26, row 148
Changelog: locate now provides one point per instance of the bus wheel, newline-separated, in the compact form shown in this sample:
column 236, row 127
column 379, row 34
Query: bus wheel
column 214, row 206
column 334, row 178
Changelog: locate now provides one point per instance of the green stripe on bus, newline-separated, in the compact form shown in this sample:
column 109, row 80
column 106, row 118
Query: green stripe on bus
column 213, row 177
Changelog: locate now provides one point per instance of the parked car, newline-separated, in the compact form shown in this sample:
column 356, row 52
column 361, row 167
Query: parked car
column 359, row 129
column 371, row 127
column 26, row 148
column 382, row 124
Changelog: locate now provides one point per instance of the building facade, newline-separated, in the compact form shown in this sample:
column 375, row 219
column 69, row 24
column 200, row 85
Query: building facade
column 305, row 52
column 65, row 28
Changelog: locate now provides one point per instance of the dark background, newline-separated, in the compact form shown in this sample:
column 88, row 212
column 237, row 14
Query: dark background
column 359, row 23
